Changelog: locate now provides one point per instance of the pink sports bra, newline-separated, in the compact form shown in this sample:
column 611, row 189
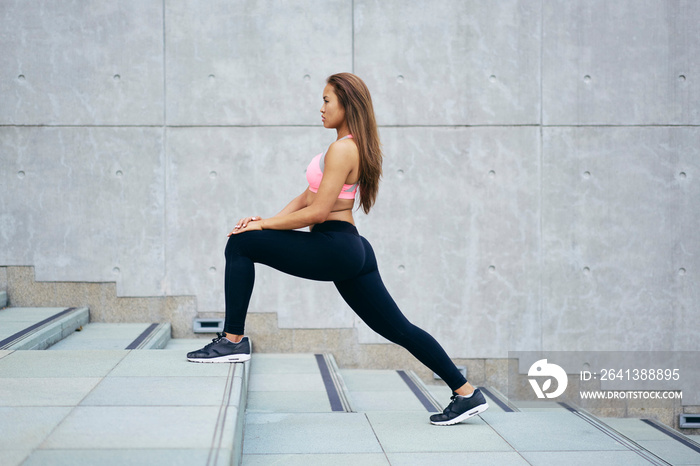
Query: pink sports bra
column 314, row 174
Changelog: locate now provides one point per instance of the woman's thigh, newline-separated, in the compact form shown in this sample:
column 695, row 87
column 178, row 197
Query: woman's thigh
column 328, row 256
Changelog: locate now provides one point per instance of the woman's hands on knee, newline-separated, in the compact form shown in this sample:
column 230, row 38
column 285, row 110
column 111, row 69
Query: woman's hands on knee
column 247, row 224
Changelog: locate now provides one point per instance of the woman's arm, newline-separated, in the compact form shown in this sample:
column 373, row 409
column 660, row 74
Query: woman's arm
column 340, row 160
column 297, row 203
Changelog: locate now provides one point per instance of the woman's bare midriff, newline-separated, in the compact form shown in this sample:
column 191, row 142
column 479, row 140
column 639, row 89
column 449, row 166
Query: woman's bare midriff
column 342, row 209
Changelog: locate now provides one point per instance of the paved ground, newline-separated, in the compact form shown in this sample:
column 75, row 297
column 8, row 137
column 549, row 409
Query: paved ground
column 90, row 400
column 289, row 421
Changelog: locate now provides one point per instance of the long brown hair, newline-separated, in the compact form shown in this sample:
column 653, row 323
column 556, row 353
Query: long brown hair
column 354, row 96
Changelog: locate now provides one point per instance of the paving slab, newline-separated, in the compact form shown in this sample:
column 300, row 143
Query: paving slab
column 72, row 407
column 140, row 427
column 157, row 391
column 115, row 457
column 480, row 458
column 283, row 364
column 165, row 363
column 26, row 427
column 368, row 401
column 364, row 459
column 373, row 380
column 13, row 457
column 584, row 458
column 634, row 429
column 403, row 432
column 49, row 391
column 288, row 402
column 549, row 431
column 185, row 345
column 672, row 451
column 44, row 364
column 296, row 433
column 292, row 382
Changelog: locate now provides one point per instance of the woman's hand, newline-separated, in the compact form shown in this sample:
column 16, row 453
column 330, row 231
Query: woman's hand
column 247, row 224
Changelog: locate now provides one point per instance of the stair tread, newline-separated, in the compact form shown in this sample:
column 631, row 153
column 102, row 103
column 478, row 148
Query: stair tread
column 102, row 336
column 38, row 328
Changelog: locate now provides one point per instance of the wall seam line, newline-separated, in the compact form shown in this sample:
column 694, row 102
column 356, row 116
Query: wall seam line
column 541, row 187
column 164, row 136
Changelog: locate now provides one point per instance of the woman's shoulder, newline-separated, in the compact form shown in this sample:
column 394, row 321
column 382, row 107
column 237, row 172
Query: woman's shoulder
column 344, row 146
column 342, row 151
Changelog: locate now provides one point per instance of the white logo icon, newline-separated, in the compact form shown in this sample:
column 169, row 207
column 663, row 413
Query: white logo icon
column 542, row 369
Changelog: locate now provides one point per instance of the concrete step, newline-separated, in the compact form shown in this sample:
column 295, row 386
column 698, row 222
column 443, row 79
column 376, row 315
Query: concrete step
column 28, row 328
column 119, row 407
column 293, row 383
column 662, row 441
column 290, row 421
column 107, row 336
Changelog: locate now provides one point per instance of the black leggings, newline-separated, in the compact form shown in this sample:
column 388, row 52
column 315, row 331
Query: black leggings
column 333, row 251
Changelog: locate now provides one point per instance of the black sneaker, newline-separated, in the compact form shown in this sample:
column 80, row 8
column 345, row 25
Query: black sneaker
column 221, row 349
column 461, row 409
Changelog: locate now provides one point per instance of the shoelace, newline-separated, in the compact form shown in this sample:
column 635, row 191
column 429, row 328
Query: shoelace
column 218, row 338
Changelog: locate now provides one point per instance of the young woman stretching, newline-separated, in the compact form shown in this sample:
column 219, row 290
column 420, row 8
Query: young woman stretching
column 332, row 250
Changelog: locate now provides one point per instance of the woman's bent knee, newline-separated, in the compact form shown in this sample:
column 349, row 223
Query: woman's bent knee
column 233, row 246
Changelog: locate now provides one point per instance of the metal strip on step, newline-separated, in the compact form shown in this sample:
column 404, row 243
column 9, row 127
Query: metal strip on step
column 141, row 338
column 497, row 399
column 333, row 390
column 217, row 439
column 673, row 434
column 426, row 400
column 11, row 340
column 616, row 436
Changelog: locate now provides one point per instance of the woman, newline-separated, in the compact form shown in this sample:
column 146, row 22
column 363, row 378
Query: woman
column 332, row 250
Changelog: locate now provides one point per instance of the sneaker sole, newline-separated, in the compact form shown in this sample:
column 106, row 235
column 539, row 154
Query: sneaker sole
column 231, row 358
column 463, row 417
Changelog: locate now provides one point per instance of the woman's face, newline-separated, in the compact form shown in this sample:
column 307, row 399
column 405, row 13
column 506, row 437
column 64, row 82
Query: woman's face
column 332, row 113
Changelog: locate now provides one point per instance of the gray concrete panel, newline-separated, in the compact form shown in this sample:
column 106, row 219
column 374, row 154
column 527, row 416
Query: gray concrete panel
column 623, row 62
column 77, row 63
column 215, row 177
column 455, row 230
column 84, row 204
column 251, row 63
column 451, row 62
column 621, row 241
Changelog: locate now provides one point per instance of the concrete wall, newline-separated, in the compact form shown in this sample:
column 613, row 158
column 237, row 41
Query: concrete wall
column 542, row 169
